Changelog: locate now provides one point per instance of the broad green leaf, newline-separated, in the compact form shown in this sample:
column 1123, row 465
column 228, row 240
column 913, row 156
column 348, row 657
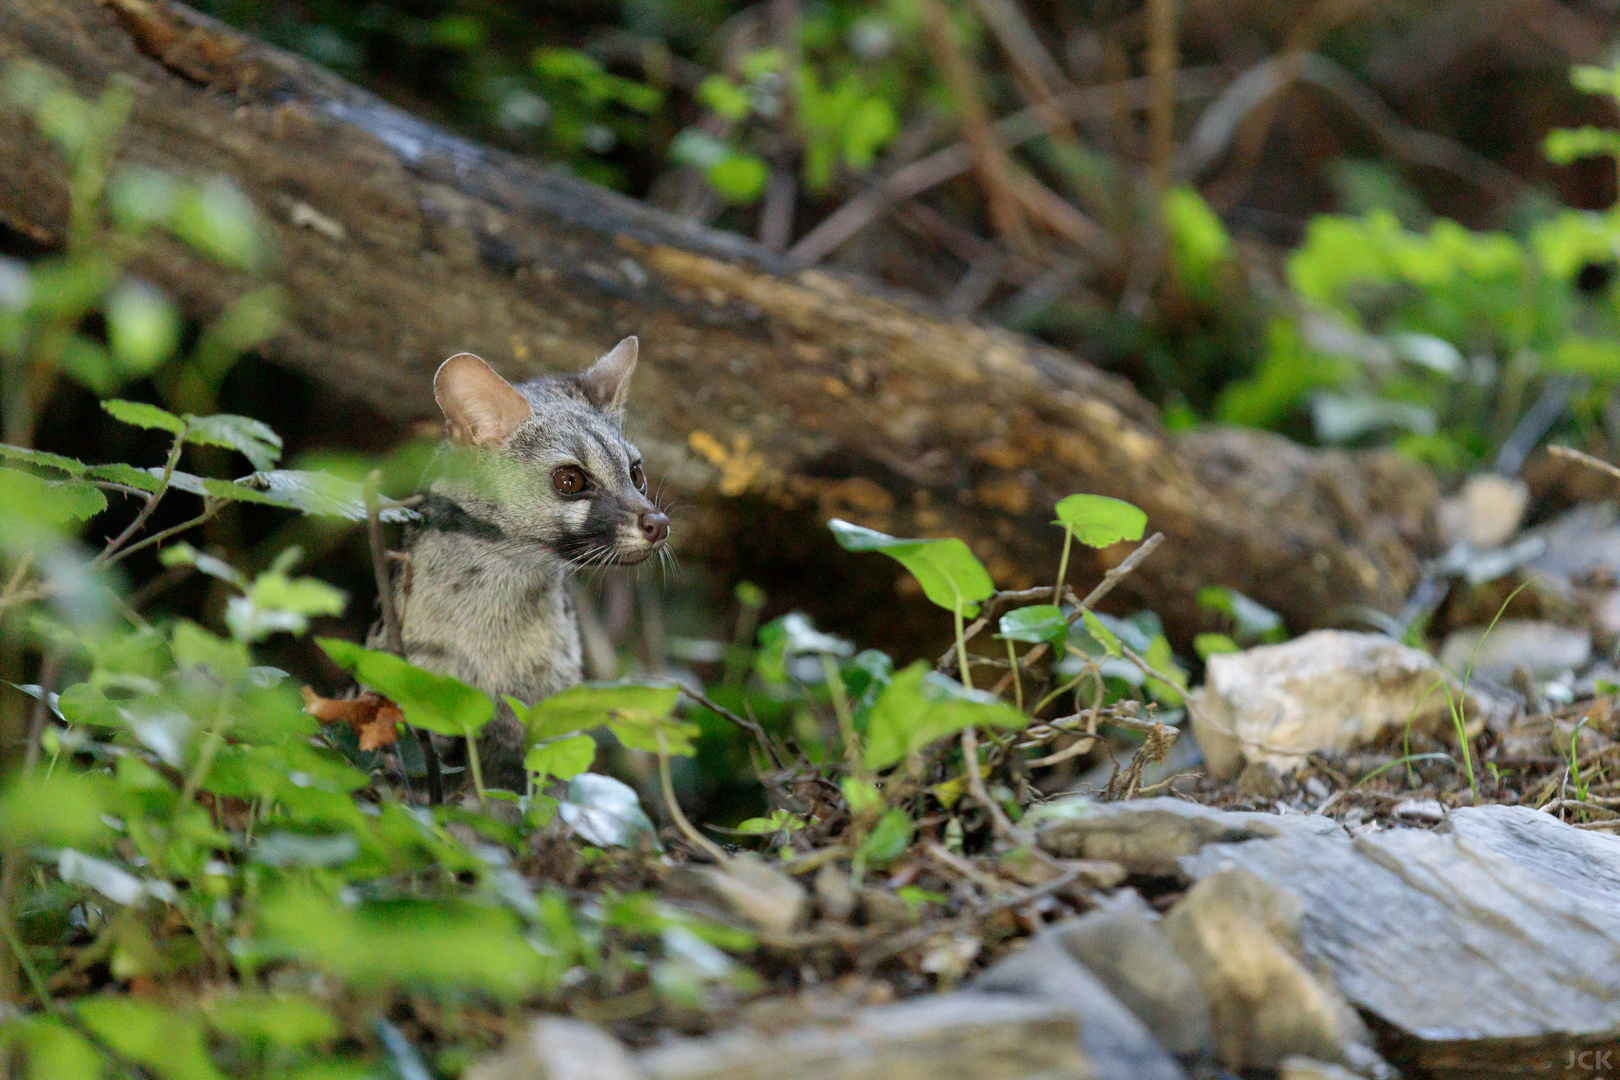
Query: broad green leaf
column 950, row 575
column 564, row 758
column 1040, row 622
column 287, row 1021
column 320, row 494
column 143, row 326
column 33, row 501
column 140, row 414
column 276, row 602
column 57, row 1052
column 738, row 177
column 634, row 713
column 919, row 707
column 1208, row 645
column 167, row 1042
column 1104, row 636
column 65, row 809
column 1161, row 659
column 1251, row 620
column 183, row 554
column 438, row 703
column 1098, row 521
column 888, row 840
column 255, row 440
column 442, row 943
column 218, row 220
column 860, row 795
column 43, row 459
column 89, row 364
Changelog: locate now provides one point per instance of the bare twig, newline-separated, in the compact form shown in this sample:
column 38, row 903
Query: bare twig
column 747, row 725
column 989, row 156
column 991, row 609
column 1162, row 16
column 701, row 842
column 1585, row 459
column 108, row 552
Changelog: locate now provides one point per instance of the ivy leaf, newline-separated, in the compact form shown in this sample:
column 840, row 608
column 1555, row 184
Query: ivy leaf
column 635, row 713
column 920, row 706
column 1098, row 521
column 950, row 575
column 1040, row 622
column 438, row 703
column 563, row 758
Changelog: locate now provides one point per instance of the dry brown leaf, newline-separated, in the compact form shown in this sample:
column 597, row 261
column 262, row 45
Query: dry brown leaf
column 373, row 717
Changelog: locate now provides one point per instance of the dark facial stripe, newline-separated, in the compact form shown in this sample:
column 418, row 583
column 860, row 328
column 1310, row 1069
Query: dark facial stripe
column 441, row 513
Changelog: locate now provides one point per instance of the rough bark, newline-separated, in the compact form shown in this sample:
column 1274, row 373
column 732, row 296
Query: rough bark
column 767, row 397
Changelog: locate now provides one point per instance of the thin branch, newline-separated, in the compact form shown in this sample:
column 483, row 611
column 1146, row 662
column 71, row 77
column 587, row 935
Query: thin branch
column 1162, row 17
column 1585, row 459
column 107, row 553
column 989, row 156
column 211, row 507
column 747, row 725
column 701, row 842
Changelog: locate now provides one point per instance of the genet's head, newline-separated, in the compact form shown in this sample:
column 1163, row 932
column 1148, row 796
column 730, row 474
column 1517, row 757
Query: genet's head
column 546, row 463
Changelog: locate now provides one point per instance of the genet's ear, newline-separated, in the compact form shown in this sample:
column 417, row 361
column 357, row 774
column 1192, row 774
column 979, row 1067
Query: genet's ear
column 480, row 408
column 607, row 382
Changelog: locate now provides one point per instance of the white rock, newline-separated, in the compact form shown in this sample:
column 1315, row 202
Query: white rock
column 1486, row 512
column 1324, row 692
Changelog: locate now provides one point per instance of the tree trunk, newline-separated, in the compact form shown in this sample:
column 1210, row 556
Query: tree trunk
column 767, row 399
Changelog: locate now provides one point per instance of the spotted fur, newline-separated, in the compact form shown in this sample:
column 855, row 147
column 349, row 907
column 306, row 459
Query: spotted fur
column 487, row 598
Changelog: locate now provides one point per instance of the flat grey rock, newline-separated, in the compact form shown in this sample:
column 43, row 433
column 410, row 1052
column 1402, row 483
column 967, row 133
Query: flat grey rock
column 1151, row 836
column 1114, row 1042
column 1489, row 947
column 1121, row 944
column 964, row 1036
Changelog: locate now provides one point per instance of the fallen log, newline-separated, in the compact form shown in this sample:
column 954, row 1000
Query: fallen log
column 768, row 398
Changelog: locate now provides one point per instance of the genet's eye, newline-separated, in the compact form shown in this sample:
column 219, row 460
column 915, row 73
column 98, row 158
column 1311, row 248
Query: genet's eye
column 568, row 479
column 638, row 477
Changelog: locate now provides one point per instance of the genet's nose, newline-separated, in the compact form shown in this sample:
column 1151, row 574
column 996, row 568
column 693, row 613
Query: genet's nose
column 654, row 526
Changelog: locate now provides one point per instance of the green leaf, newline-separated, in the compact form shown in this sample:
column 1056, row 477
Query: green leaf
column 140, row 414
column 286, row 1021
column 57, row 1052
column 89, row 363
column 318, row 493
column 54, row 504
column 65, row 809
column 888, row 839
column 1039, row 622
column 443, row 943
column 950, row 575
column 276, row 602
column 563, row 758
column 635, row 714
column 143, row 326
column 167, row 1042
column 1208, row 645
column 1098, row 521
column 860, row 795
column 1104, row 636
column 1161, row 659
column 738, row 177
column 919, row 707
column 725, row 97
column 256, row 441
column 219, row 221
column 438, row 703
column 43, row 459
